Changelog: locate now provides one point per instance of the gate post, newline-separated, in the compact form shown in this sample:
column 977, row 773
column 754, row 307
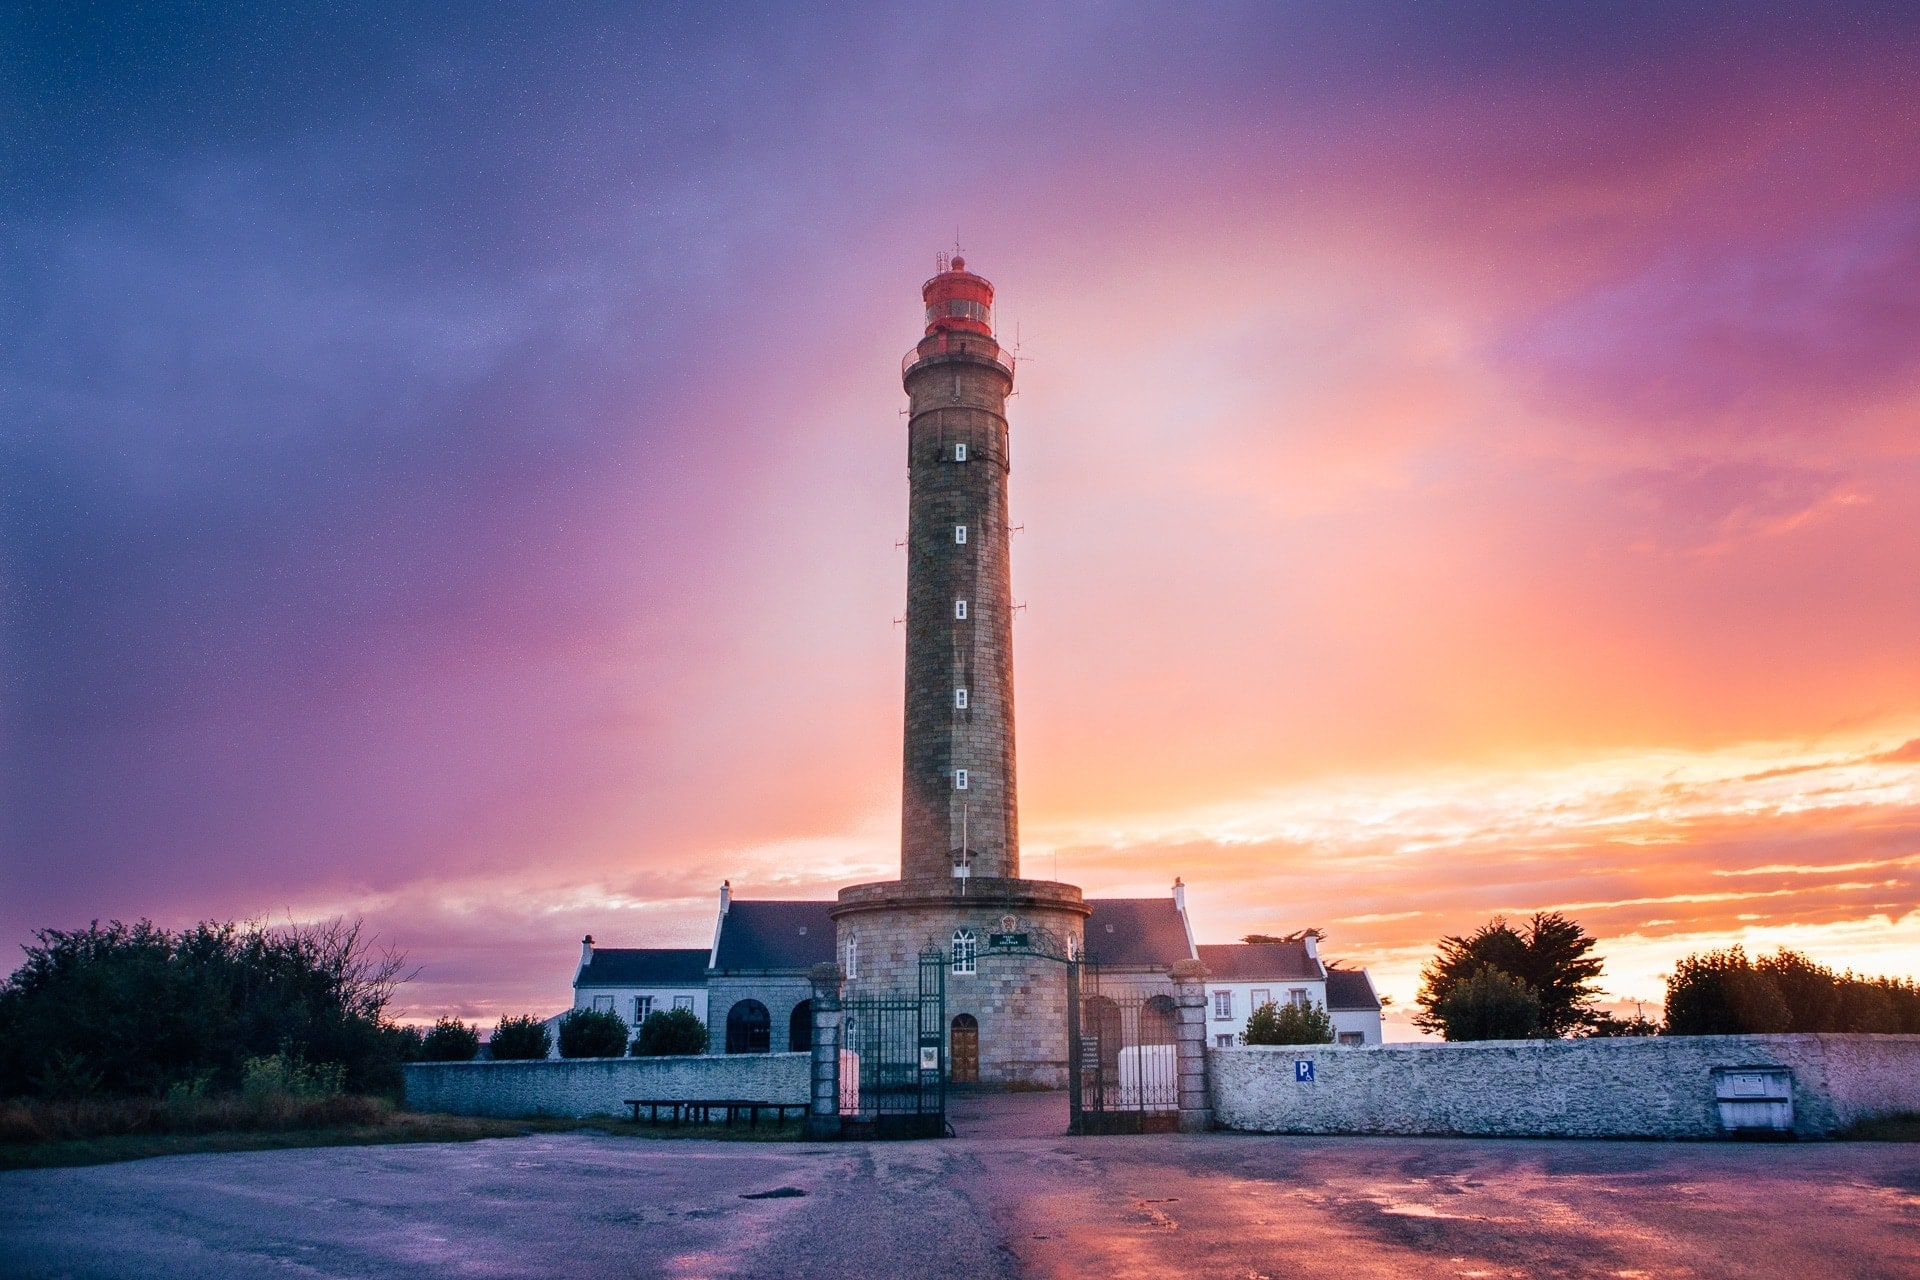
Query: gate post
column 823, row 1116
column 1190, row 1044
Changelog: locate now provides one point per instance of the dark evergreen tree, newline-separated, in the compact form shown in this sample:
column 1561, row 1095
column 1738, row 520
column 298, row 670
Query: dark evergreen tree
column 592, row 1033
column 451, row 1040
column 1550, row 957
column 520, row 1039
column 669, row 1033
column 1488, row 1005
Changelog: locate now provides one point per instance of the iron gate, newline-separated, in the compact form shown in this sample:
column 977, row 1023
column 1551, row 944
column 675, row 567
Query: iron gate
column 1123, row 1069
column 893, row 1060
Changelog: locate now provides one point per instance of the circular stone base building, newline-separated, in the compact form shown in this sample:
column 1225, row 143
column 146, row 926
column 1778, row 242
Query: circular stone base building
column 1007, row 1013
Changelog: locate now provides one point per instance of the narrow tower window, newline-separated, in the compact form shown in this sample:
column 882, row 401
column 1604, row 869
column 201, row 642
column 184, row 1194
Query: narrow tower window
column 960, row 609
column 965, row 951
column 853, row 955
column 959, row 779
column 959, row 453
column 959, row 699
column 960, row 533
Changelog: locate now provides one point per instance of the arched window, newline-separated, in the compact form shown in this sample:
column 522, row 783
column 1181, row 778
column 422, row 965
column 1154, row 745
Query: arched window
column 800, row 1027
column 1156, row 1020
column 965, row 951
column 747, row 1027
column 853, row 955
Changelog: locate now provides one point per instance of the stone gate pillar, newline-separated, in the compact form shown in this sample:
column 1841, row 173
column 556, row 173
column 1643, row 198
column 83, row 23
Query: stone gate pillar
column 1190, row 1044
column 823, row 1115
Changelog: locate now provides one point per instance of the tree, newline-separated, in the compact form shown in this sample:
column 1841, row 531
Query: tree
column 1720, row 993
column 1487, row 1005
column 1725, row 993
column 136, row 1009
column 592, row 1033
column 670, row 1033
column 520, row 1039
column 1289, row 1024
column 451, row 1040
column 1550, row 957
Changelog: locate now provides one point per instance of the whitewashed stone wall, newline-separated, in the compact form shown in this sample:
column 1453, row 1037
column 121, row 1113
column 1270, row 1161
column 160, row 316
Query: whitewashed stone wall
column 1642, row 1088
column 598, row 1086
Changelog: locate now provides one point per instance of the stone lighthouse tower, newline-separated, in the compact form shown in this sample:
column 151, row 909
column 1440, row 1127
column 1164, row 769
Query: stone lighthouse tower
column 960, row 880
column 958, row 812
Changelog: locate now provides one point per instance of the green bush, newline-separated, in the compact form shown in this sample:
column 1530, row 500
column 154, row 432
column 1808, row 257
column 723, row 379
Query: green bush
column 520, row 1039
column 669, row 1033
column 1289, row 1024
column 592, row 1033
column 1488, row 1005
column 451, row 1040
column 134, row 1010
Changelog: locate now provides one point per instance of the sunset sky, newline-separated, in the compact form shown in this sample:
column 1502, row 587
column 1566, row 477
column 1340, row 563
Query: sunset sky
column 1469, row 461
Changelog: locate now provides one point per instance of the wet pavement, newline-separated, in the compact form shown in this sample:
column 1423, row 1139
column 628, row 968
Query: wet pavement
column 1012, row 1199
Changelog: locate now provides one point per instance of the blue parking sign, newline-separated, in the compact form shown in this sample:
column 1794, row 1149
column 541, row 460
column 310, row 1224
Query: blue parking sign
column 1303, row 1070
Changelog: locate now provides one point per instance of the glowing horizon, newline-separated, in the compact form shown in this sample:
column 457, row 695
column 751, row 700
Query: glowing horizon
column 1468, row 463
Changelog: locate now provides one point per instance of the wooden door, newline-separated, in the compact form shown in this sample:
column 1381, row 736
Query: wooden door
column 963, row 1059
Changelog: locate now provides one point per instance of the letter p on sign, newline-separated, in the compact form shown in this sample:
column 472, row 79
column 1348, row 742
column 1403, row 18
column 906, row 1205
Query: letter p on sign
column 1303, row 1071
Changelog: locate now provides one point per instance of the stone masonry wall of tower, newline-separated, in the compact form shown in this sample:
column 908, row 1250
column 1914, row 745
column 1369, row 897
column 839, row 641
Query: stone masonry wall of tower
column 958, row 381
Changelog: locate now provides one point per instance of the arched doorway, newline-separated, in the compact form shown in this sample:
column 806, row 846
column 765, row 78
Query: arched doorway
column 800, row 1027
column 1157, row 1020
column 747, row 1028
column 963, row 1053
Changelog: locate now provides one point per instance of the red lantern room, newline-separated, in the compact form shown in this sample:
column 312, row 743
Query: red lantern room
column 958, row 299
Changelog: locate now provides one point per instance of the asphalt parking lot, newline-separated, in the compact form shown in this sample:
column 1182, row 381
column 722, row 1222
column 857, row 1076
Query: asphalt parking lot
column 1209, row 1205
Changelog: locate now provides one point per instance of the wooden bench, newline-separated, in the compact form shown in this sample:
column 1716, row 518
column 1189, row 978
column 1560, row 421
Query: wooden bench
column 700, row 1110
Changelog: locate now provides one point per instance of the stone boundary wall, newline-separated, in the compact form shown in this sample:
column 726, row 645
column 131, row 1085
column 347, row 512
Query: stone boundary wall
column 597, row 1086
column 1659, row 1087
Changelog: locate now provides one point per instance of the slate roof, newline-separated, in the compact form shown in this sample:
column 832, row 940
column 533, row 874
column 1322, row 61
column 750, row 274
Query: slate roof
column 1127, row 932
column 644, row 967
column 1254, row 961
column 774, row 935
column 1350, row 989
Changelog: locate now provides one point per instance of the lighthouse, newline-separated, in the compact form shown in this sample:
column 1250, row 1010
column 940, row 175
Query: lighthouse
column 959, row 816
column 960, row 886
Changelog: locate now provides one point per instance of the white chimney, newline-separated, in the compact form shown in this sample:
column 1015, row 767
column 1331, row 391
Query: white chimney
column 586, row 951
column 1179, row 895
column 1312, row 939
column 719, row 922
column 1180, row 905
column 726, row 895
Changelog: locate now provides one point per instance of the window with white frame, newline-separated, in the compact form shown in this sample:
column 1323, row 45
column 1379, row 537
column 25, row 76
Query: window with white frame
column 959, row 453
column 1297, row 997
column 1223, row 1004
column 603, row 1004
column 959, row 699
column 642, row 1006
column 959, row 779
column 1223, row 1042
column 960, row 609
column 853, row 955
column 965, row 951
column 1353, row 1037
column 1261, row 996
column 960, row 533
column 683, row 1002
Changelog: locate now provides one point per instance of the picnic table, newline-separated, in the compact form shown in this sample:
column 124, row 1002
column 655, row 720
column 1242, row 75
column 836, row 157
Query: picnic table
column 701, row 1110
